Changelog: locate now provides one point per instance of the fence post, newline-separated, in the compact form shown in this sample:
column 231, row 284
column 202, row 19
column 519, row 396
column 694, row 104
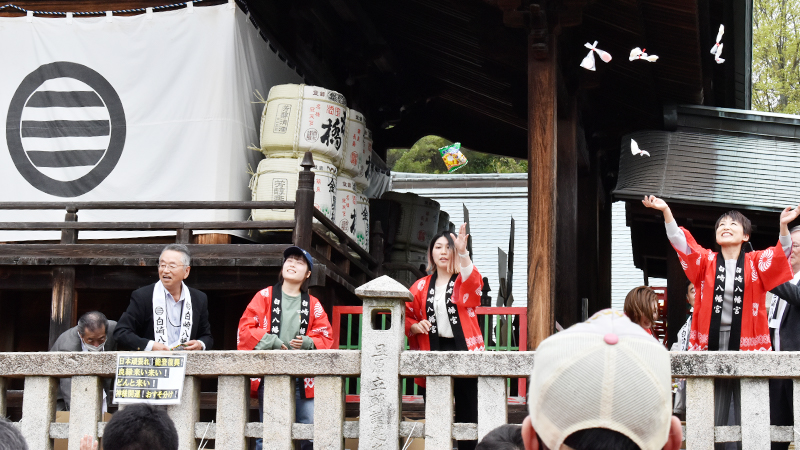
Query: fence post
column 187, row 413
column 38, row 411
column 304, row 203
column 700, row 413
column 380, row 408
column 86, row 407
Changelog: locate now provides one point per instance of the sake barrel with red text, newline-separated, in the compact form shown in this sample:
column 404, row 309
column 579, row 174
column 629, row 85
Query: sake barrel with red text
column 276, row 180
column 352, row 211
column 419, row 220
column 405, row 276
column 299, row 118
column 362, row 180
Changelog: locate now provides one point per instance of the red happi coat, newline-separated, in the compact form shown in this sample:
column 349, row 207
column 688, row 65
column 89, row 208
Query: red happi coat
column 258, row 316
column 466, row 296
column 764, row 270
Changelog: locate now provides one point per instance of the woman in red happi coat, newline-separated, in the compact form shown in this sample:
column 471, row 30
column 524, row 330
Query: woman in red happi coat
column 730, row 311
column 442, row 315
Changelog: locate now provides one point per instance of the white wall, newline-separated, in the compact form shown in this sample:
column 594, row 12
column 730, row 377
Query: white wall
column 490, row 212
column 624, row 275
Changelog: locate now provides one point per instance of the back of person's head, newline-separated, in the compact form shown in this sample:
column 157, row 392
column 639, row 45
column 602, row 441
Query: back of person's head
column 140, row 427
column 10, row 437
column 93, row 321
column 504, row 437
column 602, row 384
column 641, row 303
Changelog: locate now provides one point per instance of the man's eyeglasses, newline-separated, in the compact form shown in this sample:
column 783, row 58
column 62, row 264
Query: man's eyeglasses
column 170, row 266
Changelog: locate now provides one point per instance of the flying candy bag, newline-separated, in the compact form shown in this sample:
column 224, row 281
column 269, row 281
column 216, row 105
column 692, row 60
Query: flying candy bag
column 452, row 156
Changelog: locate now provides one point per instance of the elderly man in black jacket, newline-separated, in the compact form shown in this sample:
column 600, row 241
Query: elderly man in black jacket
column 784, row 323
column 167, row 315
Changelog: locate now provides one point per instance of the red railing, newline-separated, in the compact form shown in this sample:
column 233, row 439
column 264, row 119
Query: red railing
column 509, row 312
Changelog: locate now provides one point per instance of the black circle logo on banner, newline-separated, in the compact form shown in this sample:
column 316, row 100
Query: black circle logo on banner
column 65, row 129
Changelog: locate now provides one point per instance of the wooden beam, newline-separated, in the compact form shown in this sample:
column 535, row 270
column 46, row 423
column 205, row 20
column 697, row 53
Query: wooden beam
column 567, row 304
column 63, row 304
column 541, row 190
column 304, row 204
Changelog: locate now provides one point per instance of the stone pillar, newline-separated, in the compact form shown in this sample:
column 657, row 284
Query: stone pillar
column 439, row 418
column 233, row 394
column 187, row 413
column 492, row 404
column 86, row 408
column 38, row 411
column 329, row 412
column 755, row 413
column 700, row 413
column 379, row 422
column 278, row 419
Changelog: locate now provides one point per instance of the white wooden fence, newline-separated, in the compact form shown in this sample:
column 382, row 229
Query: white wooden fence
column 380, row 363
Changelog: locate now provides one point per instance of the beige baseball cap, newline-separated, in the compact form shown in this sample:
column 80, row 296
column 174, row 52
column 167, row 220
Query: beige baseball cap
column 606, row 372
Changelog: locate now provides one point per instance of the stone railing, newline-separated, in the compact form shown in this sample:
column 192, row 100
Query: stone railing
column 380, row 364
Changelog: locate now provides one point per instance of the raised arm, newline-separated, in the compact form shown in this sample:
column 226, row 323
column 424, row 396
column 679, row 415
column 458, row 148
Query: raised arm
column 787, row 216
column 461, row 248
column 674, row 234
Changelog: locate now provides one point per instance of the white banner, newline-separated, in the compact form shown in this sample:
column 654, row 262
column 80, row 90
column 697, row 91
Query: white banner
column 154, row 107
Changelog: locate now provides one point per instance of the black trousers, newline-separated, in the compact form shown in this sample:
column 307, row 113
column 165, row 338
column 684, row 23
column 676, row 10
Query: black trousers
column 780, row 407
column 465, row 393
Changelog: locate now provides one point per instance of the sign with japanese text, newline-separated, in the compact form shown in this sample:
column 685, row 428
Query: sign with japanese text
column 157, row 380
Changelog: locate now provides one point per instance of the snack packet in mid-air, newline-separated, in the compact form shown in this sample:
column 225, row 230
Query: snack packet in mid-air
column 452, row 156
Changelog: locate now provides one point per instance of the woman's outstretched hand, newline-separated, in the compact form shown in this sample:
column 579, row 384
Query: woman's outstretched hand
column 461, row 241
column 656, row 203
column 787, row 216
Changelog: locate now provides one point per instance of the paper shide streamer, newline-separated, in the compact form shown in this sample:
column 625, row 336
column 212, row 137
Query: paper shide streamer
column 636, row 150
column 588, row 61
column 716, row 50
column 638, row 53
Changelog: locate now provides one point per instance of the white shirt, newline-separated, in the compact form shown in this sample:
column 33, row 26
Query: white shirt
column 443, row 327
column 174, row 312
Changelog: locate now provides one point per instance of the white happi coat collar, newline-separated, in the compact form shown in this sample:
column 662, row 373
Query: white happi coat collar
column 160, row 315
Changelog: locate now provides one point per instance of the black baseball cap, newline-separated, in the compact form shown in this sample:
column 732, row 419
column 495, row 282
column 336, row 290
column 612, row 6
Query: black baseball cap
column 295, row 250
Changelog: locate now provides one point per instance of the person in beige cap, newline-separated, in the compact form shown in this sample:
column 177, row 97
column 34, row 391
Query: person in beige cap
column 601, row 384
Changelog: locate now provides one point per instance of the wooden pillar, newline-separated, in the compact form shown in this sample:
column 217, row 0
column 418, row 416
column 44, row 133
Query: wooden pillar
column 183, row 236
column 587, row 235
column 64, row 300
column 567, row 301
column 541, row 188
column 376, row 247
column 676, row 295
column 304, row 204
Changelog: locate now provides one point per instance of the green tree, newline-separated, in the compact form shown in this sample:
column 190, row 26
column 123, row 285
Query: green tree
column 776, row 56
column 424, row 157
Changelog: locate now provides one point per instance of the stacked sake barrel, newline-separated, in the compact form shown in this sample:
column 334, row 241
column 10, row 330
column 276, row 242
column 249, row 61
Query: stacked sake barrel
column 297, row 119
column 419, row 222
column 352, row 209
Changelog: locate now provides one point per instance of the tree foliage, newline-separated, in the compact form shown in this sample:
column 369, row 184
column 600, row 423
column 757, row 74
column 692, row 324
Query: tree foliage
column 776, row 56
column 423, row 157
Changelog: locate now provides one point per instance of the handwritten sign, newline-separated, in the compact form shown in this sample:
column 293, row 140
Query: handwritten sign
column 156, row 380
